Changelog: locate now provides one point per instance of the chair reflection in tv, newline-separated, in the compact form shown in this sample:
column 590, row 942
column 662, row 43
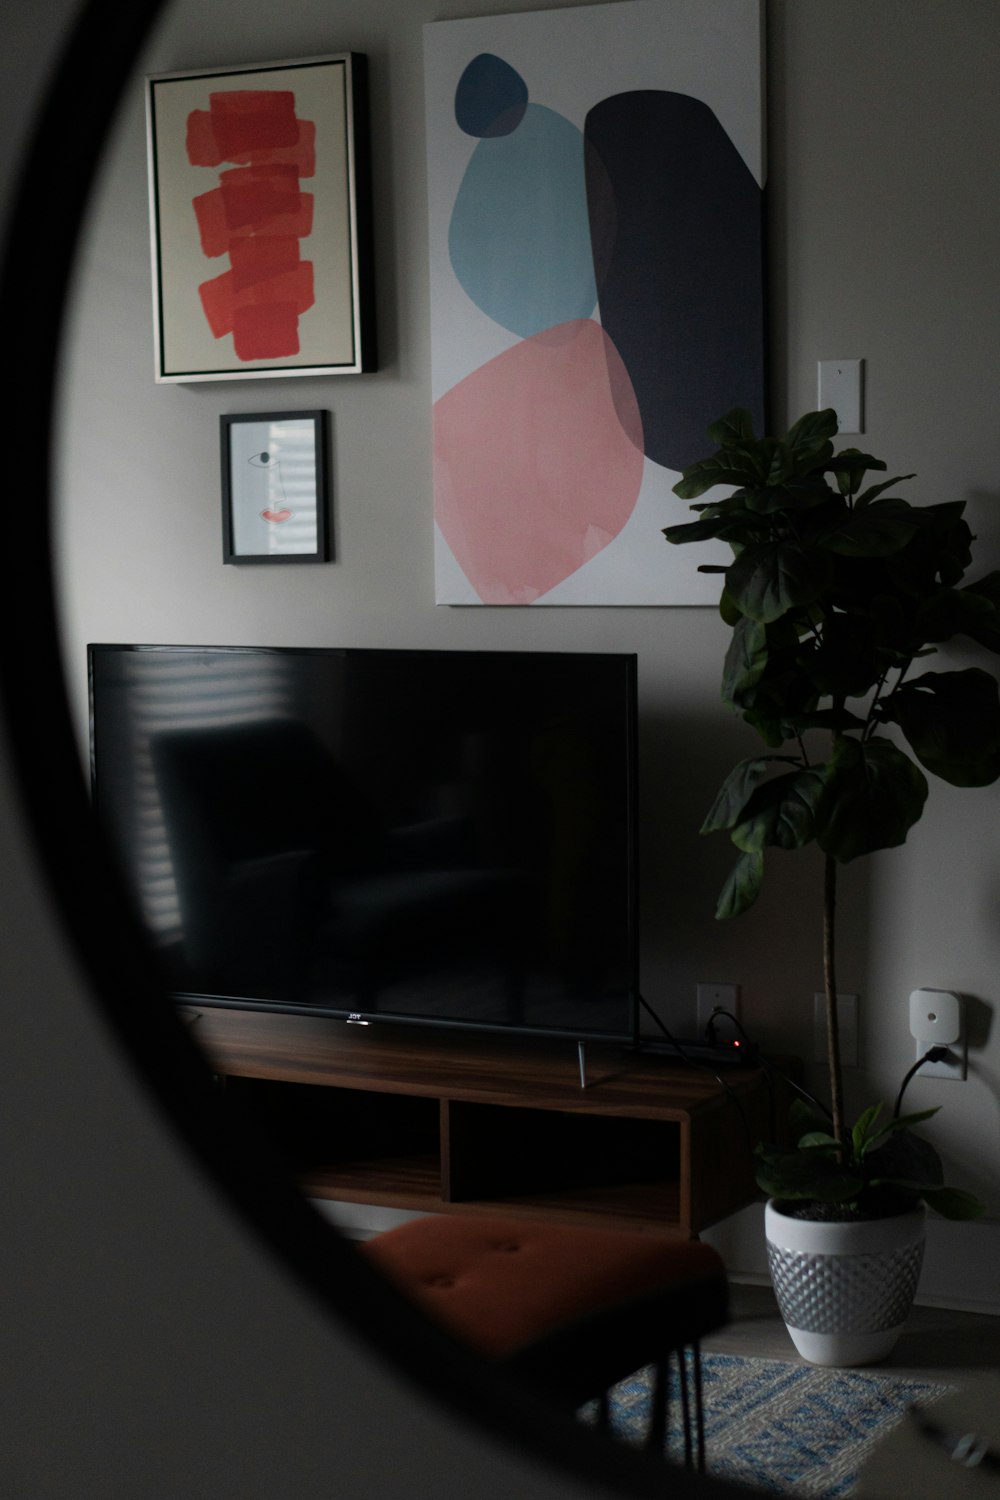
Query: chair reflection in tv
column 292, row 888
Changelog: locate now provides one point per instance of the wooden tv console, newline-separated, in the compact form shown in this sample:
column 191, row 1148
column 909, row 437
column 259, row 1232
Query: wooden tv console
column 449, row 1121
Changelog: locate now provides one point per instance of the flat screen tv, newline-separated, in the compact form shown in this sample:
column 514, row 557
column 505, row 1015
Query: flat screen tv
column 379, row 835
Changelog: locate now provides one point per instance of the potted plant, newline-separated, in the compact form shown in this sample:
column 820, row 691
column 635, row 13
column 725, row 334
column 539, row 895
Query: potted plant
column 836, row 590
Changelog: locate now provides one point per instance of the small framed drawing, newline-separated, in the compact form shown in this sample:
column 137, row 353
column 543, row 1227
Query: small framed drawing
column 274, row 487
column 260, row 220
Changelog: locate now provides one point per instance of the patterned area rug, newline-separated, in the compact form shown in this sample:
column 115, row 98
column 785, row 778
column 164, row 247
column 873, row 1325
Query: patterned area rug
column 787, row 1429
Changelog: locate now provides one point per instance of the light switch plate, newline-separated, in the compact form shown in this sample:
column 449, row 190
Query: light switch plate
column 841, row 385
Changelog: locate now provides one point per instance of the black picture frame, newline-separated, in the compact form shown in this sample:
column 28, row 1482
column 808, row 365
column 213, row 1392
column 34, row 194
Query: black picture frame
column 255, row 275
column 275, row 487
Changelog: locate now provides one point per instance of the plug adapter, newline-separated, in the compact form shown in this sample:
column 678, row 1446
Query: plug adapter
column 937, row 1019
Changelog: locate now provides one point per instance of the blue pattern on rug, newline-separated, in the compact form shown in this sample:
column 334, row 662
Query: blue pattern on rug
column 785, row 1428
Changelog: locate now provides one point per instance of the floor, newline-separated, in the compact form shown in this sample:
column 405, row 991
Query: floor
column 936, row 1342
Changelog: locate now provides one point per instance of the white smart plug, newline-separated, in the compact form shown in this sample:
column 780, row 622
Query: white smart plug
column 937, row 1019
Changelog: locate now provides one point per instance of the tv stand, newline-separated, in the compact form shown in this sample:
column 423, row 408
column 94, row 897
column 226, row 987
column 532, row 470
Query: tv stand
column 463, row 1122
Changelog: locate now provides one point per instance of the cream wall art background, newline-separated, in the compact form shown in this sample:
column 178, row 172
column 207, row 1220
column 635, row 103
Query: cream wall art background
column 595, row 204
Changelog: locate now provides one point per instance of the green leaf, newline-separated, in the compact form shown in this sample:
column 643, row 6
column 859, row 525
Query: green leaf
column 874, row 794
column 836, row 719
column 696, row 531
column 906, row 1157
column 811, row 431
column 969, row 611
column 953, row 1203
column 864, row 1131
column 736, row 790
column 733, row 430
column 787, row 496
column 819, row 1138
column 781, row 813
column 850, row 466
column 867, row 496
column 906, row 1122
column 742, row 887
column 948, row 612
column 729, row 611
column 952, row 721
column 868, row 533
column 766, row 581
column 803, row 1174
column 746, row 659
column 940, row 551
column 728, row 467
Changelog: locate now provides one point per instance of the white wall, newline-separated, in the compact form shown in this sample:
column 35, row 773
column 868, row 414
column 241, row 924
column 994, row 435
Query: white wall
column 883, row 222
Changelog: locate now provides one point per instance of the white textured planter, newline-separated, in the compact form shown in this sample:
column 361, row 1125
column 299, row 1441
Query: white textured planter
column 844, row 1290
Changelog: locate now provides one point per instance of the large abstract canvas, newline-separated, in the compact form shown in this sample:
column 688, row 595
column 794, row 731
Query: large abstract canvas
column 595, row 202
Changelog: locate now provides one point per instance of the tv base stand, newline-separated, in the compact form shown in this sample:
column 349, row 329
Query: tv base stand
column 461, row 1122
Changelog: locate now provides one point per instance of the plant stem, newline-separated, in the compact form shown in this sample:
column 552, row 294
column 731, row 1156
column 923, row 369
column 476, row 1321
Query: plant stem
column 830, row 992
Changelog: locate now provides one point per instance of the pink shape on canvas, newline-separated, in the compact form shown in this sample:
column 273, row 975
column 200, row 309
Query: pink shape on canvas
column 537, row 461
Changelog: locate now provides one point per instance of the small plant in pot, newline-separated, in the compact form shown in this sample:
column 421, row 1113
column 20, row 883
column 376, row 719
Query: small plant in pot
column 836, row 590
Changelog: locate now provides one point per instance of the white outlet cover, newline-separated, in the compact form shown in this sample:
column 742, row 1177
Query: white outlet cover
column 841, row 385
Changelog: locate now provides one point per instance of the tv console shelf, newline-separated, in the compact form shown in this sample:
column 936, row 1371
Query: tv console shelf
column 445, row 1122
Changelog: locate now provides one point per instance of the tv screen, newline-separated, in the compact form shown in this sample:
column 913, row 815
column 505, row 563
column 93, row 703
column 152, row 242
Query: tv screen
column 407, row 835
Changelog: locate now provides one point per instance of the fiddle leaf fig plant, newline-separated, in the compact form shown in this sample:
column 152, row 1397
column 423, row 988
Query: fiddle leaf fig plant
column 836, row 592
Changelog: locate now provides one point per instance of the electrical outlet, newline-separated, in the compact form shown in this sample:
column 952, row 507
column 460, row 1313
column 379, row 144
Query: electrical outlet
column 847, row 1019
column 954, row 1066
column 713, row 997
column 937, row 1019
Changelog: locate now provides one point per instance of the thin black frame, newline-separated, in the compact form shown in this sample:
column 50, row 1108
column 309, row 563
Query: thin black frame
column 321, row 497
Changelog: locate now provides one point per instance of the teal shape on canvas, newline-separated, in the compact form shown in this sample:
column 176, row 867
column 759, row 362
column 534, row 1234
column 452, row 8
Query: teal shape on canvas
column 519, row 237
column 491, row 97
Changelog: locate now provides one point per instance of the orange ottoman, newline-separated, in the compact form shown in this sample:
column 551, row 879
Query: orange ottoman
column 572, row 1309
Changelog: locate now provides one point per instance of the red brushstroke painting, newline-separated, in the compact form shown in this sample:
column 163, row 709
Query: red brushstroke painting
column 257, row 215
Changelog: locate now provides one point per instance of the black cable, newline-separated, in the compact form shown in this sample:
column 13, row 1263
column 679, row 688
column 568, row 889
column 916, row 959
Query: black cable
column 694, row 1062
column 710, row 1025
column 810, row 1098
column 935, row 1054
column 769, row 1068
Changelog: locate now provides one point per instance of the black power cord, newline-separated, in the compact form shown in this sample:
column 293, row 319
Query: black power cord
column 768, row 1067
column 694, row 1062
column 935, row 1054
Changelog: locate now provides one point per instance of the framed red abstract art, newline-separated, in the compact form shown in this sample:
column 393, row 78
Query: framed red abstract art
column 260, row 220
